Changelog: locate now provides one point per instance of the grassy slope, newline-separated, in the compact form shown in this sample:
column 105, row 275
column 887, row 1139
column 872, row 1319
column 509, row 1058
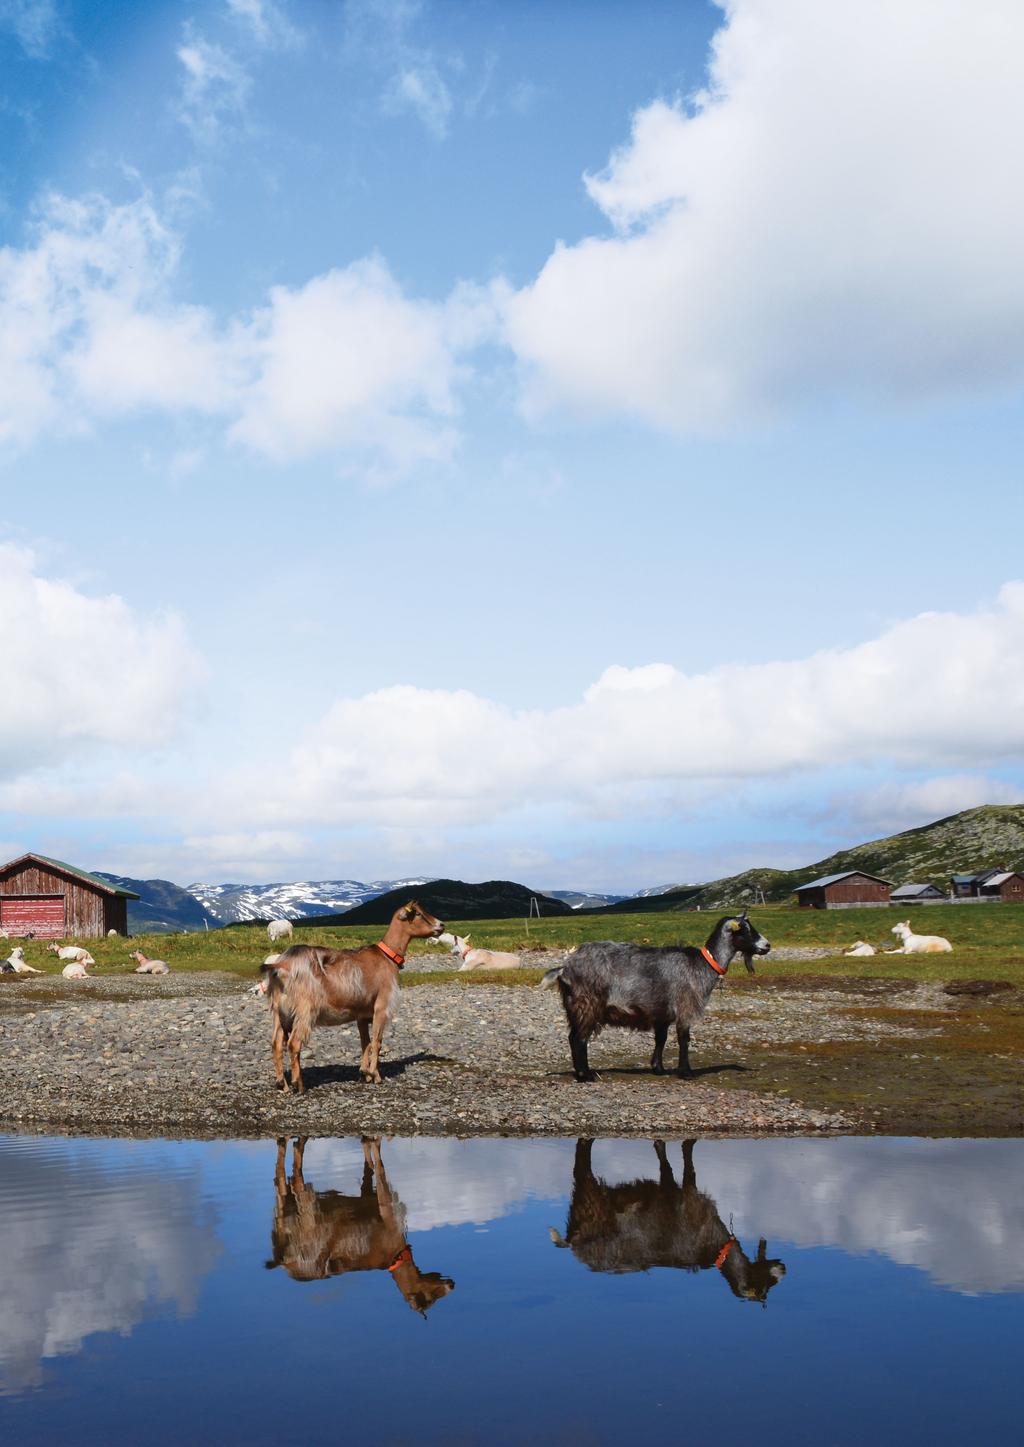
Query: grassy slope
column 988, row 941
column 988, row 837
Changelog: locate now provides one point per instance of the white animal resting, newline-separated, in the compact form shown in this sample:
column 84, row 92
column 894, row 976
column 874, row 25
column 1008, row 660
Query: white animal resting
column 76, row 970
column 918, row 944
column 861, row 947
column 476, row 959
column 71, row 952
column 146, row 966
column 17, row 963
column 279, row 929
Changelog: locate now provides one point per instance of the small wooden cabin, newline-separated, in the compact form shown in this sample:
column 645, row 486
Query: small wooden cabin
column 917, row 894
column 843, row 891
column 51, row 900
column 992, row 884
column 1007, row 885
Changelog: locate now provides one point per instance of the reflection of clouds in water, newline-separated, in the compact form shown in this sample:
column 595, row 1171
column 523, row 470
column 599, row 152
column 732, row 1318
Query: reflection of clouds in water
column 951, row 1208
column 451, row 1182
column 90, row 1245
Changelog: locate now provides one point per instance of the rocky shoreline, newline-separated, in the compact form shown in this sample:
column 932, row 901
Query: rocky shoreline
column 188, row 1054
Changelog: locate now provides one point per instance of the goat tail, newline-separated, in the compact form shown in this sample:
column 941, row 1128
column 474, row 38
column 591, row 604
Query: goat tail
column 552, row 977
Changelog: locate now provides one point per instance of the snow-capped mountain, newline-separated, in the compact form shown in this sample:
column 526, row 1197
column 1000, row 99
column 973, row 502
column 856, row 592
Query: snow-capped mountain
column 230, row 903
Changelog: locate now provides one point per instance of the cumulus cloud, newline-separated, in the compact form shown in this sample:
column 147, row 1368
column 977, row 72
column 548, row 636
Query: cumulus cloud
column 347, row 363
column 82, row 671
column 938, row 689
column 831, row 215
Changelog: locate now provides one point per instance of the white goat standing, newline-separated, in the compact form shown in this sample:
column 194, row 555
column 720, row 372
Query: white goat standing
column 17, row 962
column 477, row 959
column 918, row 944
column 861, row 947
column 146, row 966
column 279, row 929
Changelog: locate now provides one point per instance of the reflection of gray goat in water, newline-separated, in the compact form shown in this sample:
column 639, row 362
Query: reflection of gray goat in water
column 645, row 988
column 323, row 1233
column 659, row 1223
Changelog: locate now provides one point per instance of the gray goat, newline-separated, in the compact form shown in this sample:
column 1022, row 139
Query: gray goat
column 645, row 988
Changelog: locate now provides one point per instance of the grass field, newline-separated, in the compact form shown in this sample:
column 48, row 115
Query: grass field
column 988, row 942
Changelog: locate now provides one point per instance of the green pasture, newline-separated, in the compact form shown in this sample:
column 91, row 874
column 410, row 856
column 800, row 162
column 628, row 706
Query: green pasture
column 988, row 942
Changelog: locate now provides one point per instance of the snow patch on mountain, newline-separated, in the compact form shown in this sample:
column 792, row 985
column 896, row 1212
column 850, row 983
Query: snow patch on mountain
column 298, row 899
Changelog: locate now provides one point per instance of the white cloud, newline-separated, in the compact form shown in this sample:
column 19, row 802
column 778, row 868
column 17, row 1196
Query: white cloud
column 214, row 87
column 82, row 671
column 35, row 23
column 421, row 89
column 902, row 805
column 939, row 689
column 267, row 23
column 347, row 363
column 831, row 216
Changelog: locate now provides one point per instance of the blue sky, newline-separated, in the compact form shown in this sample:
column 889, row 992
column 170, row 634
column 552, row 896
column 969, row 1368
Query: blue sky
column 570, row 442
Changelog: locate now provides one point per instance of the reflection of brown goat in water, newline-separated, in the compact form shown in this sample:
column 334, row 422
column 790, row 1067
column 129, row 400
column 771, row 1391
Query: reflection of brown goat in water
column 323, row 1233
column 659, row 1223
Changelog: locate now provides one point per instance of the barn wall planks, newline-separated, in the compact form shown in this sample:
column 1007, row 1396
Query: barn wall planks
column 86, row 910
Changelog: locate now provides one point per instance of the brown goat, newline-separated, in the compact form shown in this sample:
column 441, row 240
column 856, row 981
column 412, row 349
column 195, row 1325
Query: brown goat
column 311, row 985
column 317, row 1234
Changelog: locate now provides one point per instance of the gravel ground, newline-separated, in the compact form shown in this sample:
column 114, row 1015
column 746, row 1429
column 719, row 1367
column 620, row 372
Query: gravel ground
column 189, row 1054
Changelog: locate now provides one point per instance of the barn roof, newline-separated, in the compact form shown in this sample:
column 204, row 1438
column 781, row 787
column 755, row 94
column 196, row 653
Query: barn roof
column 74, row 871
column 835, row 878
column 999, row 878
column 910, row 891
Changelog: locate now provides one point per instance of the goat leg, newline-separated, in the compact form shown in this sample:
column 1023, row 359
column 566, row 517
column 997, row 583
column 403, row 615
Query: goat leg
column 580, row 1062
column 660, row 1036
column 277, row 1048
column 683, row 1036
column 364, row 1040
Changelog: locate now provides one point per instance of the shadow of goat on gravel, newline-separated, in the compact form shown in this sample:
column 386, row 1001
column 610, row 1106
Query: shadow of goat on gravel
column 646, row 988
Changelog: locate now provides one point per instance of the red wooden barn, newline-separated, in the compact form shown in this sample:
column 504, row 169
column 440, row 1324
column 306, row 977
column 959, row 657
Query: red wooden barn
column 843, row 891
column 54, row 901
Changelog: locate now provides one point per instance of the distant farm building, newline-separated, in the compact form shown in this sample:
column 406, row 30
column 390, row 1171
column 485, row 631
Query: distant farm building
column 917, row 894
column 843, row 891
column 51, row 900
column 991, row 884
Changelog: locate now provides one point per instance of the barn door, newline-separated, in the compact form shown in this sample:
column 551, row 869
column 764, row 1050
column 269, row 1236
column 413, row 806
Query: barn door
column 39, row 914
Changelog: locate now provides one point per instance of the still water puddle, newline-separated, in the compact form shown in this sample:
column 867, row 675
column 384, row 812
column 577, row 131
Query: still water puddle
column 510, row 1291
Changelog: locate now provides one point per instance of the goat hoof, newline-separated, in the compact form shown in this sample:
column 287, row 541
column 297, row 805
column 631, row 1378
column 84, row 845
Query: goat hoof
column 658, row 1069
column 281, row 1085
column 587, row 1077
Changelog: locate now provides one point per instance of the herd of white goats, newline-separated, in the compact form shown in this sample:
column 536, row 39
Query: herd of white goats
column 79, row 959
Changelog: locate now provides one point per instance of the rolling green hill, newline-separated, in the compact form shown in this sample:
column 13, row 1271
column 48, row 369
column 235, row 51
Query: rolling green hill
column 989, row 837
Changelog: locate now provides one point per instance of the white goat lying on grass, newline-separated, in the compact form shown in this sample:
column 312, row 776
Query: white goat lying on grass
column 918, row 944
column 16, row 964
column 146, row 966
column 76, row 970
column 861, row 947
column 475, row 959
column 71, row 952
